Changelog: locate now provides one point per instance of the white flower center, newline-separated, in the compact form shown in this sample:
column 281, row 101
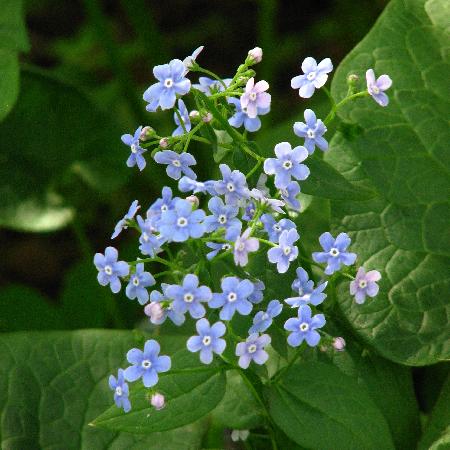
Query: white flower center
column 176, row 163
column 222, row 218
column 252, row 348
column 287, row 165
column 226, row 247
column 287, row 250
column 300, row 292
column 133, row 148
column 119, row 391
column 232, row 297
column 252, row 96
column 145, row 237
column 362, row 284
column 311, row 76
column 136, row 281
column 108, row 270
column 241, row 246
column 304, row 326
column 168, row 82
column 182, row 222
column 146, row 364
column 265, row 316
column 311, row 134
column 375, row 89
column 206, row 340
column 164, row 208
column 230, row 187
column 188, row 298
column 334, row 252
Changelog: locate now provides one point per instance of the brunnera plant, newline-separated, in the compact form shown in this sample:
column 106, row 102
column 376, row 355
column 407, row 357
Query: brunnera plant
column 205, row 240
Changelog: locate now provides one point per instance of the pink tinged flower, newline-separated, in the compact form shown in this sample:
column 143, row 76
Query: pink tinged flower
column 155, row 311
column 243, row 246
column 339, row 344
column 254, row 97
column 376, row 87
column 158, row 401
column 365, row 284
column 255, row 55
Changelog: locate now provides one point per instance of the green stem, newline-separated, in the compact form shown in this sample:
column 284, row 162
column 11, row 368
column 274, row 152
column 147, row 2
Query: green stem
column 191, row 135
column 265, row 241
column 211, row 74
column 254, row 169
column 277, row 376
column 332, row 113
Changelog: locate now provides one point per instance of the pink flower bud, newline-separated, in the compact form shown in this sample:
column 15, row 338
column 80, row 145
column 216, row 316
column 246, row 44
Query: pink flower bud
column 146, row 133
column 207, row 117
column 339, row 344
column 155, row 311
column 255, row 55
column 158, row 401
column 194, row 200
column 164, row 143
column 194, row 114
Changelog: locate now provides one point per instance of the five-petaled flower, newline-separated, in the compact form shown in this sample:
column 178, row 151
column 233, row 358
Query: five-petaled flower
column 285, row 252
column 263, row 319
column 365, row 284
column 208, row 340
column 135, row 158
column 376, row 87
column 110, row 270
column 255, row 97
column 233, row 185
column 306, row 291
column 314, row 76
column 146, row 364
column 121, row 391
column 304, row 327
column 139, row 281
column 253, row 350
column 335, row 252
column 222, row 215
column 176, row 163
column 313, row 131
column 123, row 223
column 243, row 245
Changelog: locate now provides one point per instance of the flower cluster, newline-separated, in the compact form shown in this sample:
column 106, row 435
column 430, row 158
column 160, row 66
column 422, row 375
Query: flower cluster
column 231, row 218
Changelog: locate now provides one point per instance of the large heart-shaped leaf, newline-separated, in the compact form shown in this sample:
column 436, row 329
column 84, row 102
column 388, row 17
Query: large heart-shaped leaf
column 400, row 151
column 53, row 384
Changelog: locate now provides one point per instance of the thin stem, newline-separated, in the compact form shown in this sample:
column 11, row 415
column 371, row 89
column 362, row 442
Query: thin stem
column 191, row 134
column 265, row 241
column 211, row 74
column 277, row 376
column 254, row 169
column 332, row 113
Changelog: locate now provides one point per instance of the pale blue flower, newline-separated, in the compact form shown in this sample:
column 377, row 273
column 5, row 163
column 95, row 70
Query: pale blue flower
column 122, row 224
column 376, row 87
column 110, row 270
column 253, row 350
column 365, row 284
column 313, row 131
column 304, row 327
column 306, row 291
column 139, row 281
column 314, row 76
column 135, row 157
column 274, row 228
column 289, row 195
column 233, row 186
column 208, row 340
column 121, row 391
column 222, row 215
column 177, row 163
column 285, row 252
column 263, row 319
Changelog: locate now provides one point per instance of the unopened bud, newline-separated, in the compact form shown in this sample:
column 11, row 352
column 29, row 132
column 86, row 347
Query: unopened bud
column 193, row 200
column 352, row 78
column 146, row 133
column 239, row 435
column 339, row 344
column 164, row 142
column 207, row 117
column 158, row 401
column 194, row 115
column 255, row 55
column 155, row 311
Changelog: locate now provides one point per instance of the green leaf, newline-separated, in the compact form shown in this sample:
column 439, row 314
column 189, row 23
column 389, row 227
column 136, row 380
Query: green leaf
column 13, row 39
column 53, row 384
column 181, row 389
column 439, row 420
column 319, row 407
column 401, row 153
column 22, row 308
column 70, row 141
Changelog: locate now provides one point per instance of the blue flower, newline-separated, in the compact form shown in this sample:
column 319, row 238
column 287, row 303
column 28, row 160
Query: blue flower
column 216, row 247
column 249, row 212
column 181, row 223
column 136, row 157
column 241, row 117
column 150, row 243
column 335, row 252
column 289, row 195
column 138, row 283
column 146, row 364
column 171, row 82
column 157, row 298
column 176, row 163
column 263, row 320
column 209, row 86
column 377, row 87
column 109, row 269
column 233, row 185
column 222, row 215
column 123, row 223
column 257, row 295
column 187, row 184
column 287, row 164
column 189, row 296
column 234, row 297
column 121, row 391
column 365, row 284
column 208, row 340
column 243, row 245
column 166, row 203
column 285, row 251
column 306, row 291
column 274, row 228
column 304, row 327
column 253, row 350
column 189, row 61
column 273, row 203
column 314, row 77
column 184, row 113
column 312, row 131
column 254, row 97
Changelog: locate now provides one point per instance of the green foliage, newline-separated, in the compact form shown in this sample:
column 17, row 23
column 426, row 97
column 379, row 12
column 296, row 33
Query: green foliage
column 400, row 153
column 48, row 151
column 319, row 407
